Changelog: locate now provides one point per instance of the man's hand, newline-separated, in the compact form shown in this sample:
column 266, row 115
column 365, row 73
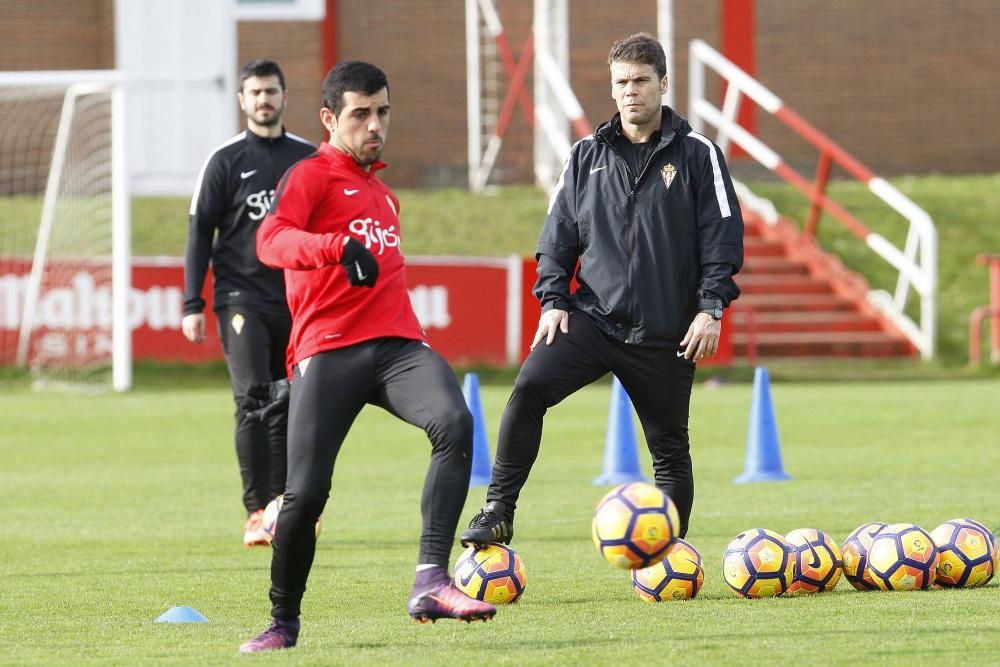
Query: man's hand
column 702, row 337
column 193, row 327
column 548, row 323
column 359, row 263
column 264, row 400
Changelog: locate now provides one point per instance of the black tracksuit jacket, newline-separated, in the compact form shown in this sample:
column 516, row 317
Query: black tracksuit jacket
column 651, row 249
column 232, row 196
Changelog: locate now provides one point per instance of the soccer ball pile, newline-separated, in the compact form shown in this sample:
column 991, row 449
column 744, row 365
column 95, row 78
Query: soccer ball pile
column 875, row 556
column 635, row 527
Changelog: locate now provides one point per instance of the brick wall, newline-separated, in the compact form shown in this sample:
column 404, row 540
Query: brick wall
column 297, row 47
column 57, row 34
column 420, row 45
column 907, row 86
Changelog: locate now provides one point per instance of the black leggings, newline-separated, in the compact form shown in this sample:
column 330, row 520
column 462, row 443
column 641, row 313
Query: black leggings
column 255, row 353
column 406, row 378
column 657, row 381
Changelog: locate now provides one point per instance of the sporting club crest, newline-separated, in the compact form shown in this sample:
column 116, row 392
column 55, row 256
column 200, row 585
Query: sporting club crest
column 667, row 174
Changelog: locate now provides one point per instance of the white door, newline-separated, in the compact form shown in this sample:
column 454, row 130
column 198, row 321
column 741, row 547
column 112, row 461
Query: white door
column 179, row 62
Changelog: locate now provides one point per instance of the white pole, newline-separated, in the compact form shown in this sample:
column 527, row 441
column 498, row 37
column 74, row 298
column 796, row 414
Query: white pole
column 551, row 30
column 543, row 176
column 514, row 295
column 121, row 249
column 665, row 31
column 696, row 89
column 473, row 89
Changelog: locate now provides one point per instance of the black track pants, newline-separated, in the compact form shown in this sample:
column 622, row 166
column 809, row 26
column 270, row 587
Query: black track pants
column 412, row 382
column 255, row 346
column 657, row 381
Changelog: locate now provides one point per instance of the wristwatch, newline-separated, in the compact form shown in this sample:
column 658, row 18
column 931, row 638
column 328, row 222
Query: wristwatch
column 715, row 312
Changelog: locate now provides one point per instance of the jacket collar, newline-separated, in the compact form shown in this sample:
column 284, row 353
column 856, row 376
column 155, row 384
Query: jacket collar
column 342, row 159
column 254, row 138
column 670, row 126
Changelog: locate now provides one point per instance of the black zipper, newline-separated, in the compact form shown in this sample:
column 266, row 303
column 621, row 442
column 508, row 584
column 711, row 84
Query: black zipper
column 631, row 185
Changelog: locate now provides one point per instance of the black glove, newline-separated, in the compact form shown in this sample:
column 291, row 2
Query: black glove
column 264, row 400
column 359, row 263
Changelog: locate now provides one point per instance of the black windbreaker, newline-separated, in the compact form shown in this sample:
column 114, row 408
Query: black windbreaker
column 231, row 197
column 653, row 248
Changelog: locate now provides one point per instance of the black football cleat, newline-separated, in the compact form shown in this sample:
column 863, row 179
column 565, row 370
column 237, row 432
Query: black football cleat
column 494, row 524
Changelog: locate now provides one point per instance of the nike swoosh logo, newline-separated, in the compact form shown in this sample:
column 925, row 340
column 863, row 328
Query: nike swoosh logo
column 597, row 169
column 815, row 557
column 247, row 174
column 350, row 192
column 466, row 578
column 361, row 274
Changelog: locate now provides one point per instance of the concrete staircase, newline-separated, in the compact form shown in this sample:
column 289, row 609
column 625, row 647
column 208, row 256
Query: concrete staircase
column 799, row 303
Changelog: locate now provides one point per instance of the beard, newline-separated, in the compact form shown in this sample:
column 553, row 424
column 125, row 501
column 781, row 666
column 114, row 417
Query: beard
column 268, row 117
column 368, row 156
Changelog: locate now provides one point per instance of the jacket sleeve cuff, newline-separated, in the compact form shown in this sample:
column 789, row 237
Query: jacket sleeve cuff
column 709, row 301
column 557, row 303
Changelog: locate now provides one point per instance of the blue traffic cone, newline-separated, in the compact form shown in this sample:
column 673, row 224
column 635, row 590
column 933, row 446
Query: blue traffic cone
column 482, row 469
column 181, row 615
column 763, row 449
column 621, row 458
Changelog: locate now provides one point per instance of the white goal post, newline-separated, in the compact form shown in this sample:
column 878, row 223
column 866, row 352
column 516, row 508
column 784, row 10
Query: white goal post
column 495, row 84
column 66, row 206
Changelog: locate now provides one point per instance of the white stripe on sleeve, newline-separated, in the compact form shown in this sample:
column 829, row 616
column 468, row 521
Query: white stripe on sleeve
column 561, row 181
column 559, row 186
column 720, row 186
column 297, row 138
column 201, row 174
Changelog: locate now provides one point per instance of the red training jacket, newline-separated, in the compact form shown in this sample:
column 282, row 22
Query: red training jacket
column 320, row 201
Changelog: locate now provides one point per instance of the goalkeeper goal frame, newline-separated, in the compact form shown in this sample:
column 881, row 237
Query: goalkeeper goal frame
column 78, row 83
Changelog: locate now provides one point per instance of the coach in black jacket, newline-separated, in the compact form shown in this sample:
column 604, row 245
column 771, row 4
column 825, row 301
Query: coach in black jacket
column 645, row 213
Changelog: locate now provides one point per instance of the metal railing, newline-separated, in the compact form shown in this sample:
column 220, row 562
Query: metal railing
column 916, row 262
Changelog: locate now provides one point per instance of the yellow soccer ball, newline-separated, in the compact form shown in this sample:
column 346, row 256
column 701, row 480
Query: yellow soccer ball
column 633, row 525
column 902, row 557
column 817, row 559
column 855, row 553
column 758, row 563
column 678, row 576
column 967, row 554
column 494, row 574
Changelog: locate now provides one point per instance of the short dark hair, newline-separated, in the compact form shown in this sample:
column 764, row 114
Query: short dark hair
column 352, row 76
column 261, row 67
column 640, row 48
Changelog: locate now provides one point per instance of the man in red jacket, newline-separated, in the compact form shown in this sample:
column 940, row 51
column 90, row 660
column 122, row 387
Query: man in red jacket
column 334, row 227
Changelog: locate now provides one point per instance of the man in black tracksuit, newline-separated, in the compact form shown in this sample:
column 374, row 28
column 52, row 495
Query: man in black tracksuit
column 645, row 213
column 232, row 196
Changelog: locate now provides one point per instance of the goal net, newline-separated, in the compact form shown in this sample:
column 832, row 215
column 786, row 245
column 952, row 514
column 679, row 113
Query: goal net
column 64, row 250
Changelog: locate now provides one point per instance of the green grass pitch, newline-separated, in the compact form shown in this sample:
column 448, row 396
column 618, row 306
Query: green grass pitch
column 119, row 507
